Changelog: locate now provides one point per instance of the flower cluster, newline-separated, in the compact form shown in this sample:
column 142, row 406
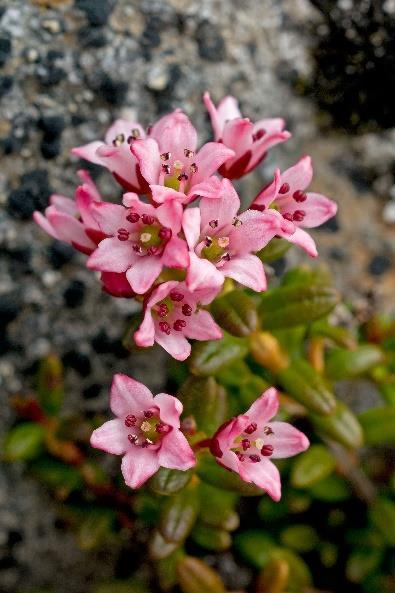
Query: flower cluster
column 173, row 257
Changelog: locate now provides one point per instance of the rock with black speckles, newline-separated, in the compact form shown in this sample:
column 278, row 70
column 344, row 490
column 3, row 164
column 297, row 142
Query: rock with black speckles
column 211, row 45
column 32, row 194
column 379, row 264
column 74, row 294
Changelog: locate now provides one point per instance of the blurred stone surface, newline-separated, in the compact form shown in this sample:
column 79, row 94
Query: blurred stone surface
column 68, row 69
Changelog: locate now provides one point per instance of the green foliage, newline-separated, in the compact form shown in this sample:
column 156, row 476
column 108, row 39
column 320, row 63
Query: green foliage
column 316, row 464
column 50, row 389
column 24, row 442
column 236, row 313
column 209, row 358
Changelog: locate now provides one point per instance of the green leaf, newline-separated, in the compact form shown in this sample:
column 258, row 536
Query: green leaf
column 50, row 388
column 273, row 578
column 274, row 250
column 382, row 515
column 167, row 570
column 341, row 336
column 255, row 547
column 313, row 465
column 302, row 538
column 342, row 363
column 194, row 576
column 362, row 562
column 378, row 425
column 169, row 481
column 306, row 275
column 57, row 475
column 206, row 401
column 236, row 313
column 217, row 507
column 331, row 489
column 179, row 515
column 302, row 382
column 211, row 538
column 211, row 473
column 251, row 389
column 342, row 426
column 299, row 573
column 208, row 358
column 159, row 548
column 288, row 306
column 24, row 442
column 95, row 527
column 131, row 586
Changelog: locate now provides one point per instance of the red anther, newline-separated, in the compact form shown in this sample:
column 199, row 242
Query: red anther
column 246, row 444
column 163, row 310
column 208, row 241
column 176, row 296
column 288, row 216
column 267, row 430
column 267, row 450
column 148, row 414
column 237, row 222
column 166, row 169
column 255, row 458
column 240, row 456
column 132, row 439
column 133, row 217
column 164, row 327
column 259, row 207
column 123, row 234
column 136, row 248
column 193, row 168
column 165, row 234
column 179, row 324
column 284, row 188
column 152, row 250
column 258, row 134
column 162, row 428
column 147, row 219
column 183, row 177
column 188, row 153
column 130, row 420
column 165, row 156
column 299, row 195
column 129, row 139
column 251, row 428
column 186, row 310
column 213, row 224
column 298, row 215
column 226, row 256
column 145, row 444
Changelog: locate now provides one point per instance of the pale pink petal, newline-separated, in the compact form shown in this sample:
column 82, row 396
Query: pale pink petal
column 145, row 335
column 161, row 194
column 112, row 255
column 175, row 452
column 161, row 292
column 229, row 431
column 302, row 239
column 69, row 229
column 256, row 230
column 174, row 133
column 223, row 209
column 175, row 254
column 45, row 224
column 300, row 175
column 125, row 127
column 209, row 159
column 83, row 199
column 109, row 217
column 265, row 407
column 261, row 147
column 63, row 204
column 237, row 135
column 148, row 156
column 120, row 161
column 318, row 210
column 248, row 270
column 229, row 460
column 191, row 226
column 138, row 466
column 144, row 272
column 209, row 188
column 287, row 441
column 264, row 474
column 169, row 215
column 201, row 326
column 89, row 152
column 128, row 396
column 86, row 179
column 175, row 344
column 111, row 437
column 170, row 409
column 202, row 273
column 267, row 194
column 227, row 110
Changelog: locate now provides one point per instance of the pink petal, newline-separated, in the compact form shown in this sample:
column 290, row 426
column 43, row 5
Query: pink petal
column 109, row 217
column 116, row 284
column 261, row 147
column 89, row 152
column 148, row 156
column 287, row 441
column 45, row 224
column 202, row 273
column 144, row 272
column 227, row 110
column 176, row 254
column 87, row 180
column 112, row 255
column 248, row 270
column 209, row 159
column 237, row 135
column 145, row 335
column 68, row 228
column 209, row 188
column 138, row 466
column 161, row 292
column 264, row 474
column 174, row 133
column 128, row 396
column 191, row 226
column 265, row 407
column 302, row 239
column 175, row 452
column 256, row 230
column 63, row 204
column 169, row 215
column 84, row 201
column 318, row 210
column 161, row 194
column 125, row 127
column 175, row 344
column 266, row 196
column 201, row 326
column 170, row 409
column 223, row 209
column 110, row 437
column 300, row 175
column 120, row 161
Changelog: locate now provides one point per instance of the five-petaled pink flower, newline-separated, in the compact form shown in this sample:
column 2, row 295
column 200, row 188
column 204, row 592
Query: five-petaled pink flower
column 250, row 142
column 287, row 194
column 140, row 240
column 169, row 162
column 172, row 314
column 246, row 443
column 222, row 242
column 146, row 432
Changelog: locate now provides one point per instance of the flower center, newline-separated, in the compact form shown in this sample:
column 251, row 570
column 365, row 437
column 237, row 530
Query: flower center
column 216, row 249
column 146, row 429
column 149, row 237
column 172, row 313
column 251, row 444
column 177, row 174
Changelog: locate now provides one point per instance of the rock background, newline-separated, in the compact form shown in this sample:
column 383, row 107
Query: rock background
column 68, row 68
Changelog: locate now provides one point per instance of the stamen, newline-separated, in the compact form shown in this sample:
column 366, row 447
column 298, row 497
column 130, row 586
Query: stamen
column 298, row 215
column 145, row 426
column 213, row 224
column 255, row 458
column 147, row 219
column 148, row 414
column 136, row 133
column 133, row 217
column 288, row 216
column 152, row 250
column 267, row 450
column 165, row 234
column 165, row 156
column 176, row 296
column 166, row 169
column 162, row 428
column 267, row 430
column 284, row 188
column 130, row 420
column 164, row 327
column 299, row 196
column 188, row 153
column 118, row 140
column 251, row 428
column 186, row 310
column 237, row 222
column 208, row 241
column 259, row 443
column 145, row 237
column 133, row 438
column 246, row 444
column 178, row 165
column 223, row 242
column 123, row 234
column 179, row 324
column 240, row 456
column 163, row 310
column 183, row 177
column 193, row 168
column 226, row 257
column 137, row 248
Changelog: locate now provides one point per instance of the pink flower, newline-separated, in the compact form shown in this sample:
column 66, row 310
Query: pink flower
column 114, row 154
column 172, row 314
column 287, row 194
column 245, row 444
column 222, row 242
column 116, row 284
column 249, row 141
column 140, row 240
column 70, row 220
column 146, row 431
column 169, row 162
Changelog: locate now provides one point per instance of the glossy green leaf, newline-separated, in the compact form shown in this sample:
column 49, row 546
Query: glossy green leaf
column 179, row 515
column 276, row 249
column 313, row 465
column 378, row 425
column 57, row 475
column 194, row 576
column 362, row 562
column 301, row 538
column 331, row 489
column 208, row 358
column 341, row 426
column 211, row 538
column 217, row 507
column 255, row 547
column 299, row 573
column 382, row 515
column 169, row 481
column 236, row 313
column 211, row 473
column 274, row 577
column 95, row 527
column 205, row 400
column 24, row 442
column 159, row 548
column 167, row 570
column 342, row 363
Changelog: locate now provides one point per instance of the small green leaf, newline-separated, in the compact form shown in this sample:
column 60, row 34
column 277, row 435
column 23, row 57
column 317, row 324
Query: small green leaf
column 50, row 388
column 211, row 473
column 208, row 358
column 159, row 548
column 217, row 507
column 301, row 538
column 95, row 527
column 167, row 570
column 274, row 250
column 313, row 465
column 169, row 481
column 206, row 401
column 382, row 515
column 179, row 515
column 57, row 475
column 211, row 538
column 255, row 547
column 274, row 577
column 24, row 442
column 194, row 576
column 341, row 426
column 342, row 363
column 331, row 489
column 131, row 586
column 299, row 573
column 236, row 313
column 378, row 425
column 362, row 562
